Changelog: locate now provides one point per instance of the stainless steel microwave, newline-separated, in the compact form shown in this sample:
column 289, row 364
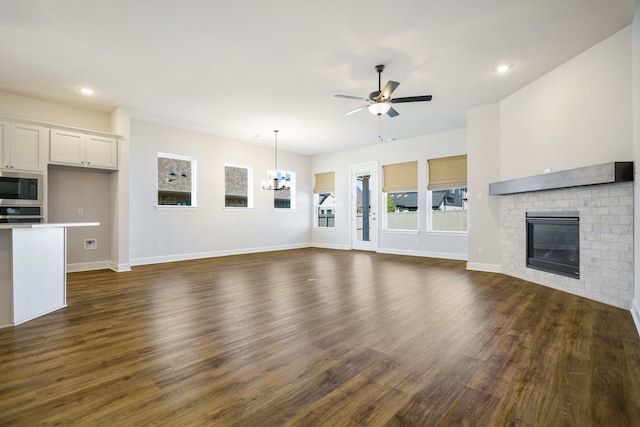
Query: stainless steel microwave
column 18, row 188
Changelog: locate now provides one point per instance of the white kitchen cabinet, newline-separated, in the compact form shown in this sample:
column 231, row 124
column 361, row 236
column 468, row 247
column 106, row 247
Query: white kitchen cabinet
column 22, row 146
column 76, row 148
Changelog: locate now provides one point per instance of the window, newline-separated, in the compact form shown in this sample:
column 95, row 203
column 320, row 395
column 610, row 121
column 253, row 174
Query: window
column 285, row 198
column 176, row 180
column 401, row 191
column 325, row 200
column 448, row 193
column 238, row 192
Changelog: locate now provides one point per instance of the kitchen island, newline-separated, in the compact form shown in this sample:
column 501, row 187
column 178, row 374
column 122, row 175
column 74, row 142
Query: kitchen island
column 33, row 270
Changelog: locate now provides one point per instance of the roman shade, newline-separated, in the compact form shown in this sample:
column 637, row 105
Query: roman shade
column 447, row 172
column 400, row 177
column 325, row 183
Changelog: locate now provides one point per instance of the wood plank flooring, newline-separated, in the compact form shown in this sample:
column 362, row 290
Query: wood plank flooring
column 319, row 337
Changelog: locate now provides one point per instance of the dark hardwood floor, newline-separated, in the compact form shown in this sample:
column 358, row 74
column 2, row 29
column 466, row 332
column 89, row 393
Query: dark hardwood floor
column 319, row 337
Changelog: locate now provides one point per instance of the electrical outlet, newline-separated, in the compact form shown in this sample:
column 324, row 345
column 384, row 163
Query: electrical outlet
column 90, row 244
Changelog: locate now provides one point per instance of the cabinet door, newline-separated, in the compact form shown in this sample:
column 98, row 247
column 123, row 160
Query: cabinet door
column 4, row 146
column 102, row 152
column 26, row 146
column 67, row 147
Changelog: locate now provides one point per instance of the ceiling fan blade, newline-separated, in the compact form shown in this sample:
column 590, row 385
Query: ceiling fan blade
column 388, row 89
column 355, row 110
column 411, row 99
column 359, row 98
column 392, row 112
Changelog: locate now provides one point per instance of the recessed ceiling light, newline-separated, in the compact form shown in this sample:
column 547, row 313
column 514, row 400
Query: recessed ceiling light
column 503, row 68
column 86, row 91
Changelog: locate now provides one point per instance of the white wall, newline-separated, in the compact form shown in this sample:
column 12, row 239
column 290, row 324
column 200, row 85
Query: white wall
column 635, row 309
column 577, row 115
column 159, row 235
column 421, row 243
column 483, row 168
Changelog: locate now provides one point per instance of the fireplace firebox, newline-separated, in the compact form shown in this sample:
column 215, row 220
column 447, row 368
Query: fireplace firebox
column 553, row 242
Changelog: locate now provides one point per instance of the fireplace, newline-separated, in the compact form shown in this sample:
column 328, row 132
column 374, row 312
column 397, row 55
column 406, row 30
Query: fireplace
column 553, row 242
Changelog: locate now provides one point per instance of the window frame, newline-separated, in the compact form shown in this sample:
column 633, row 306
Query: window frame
column 193, row 180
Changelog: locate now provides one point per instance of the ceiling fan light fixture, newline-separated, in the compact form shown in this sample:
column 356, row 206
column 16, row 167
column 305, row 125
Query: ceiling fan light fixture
column 379, row 108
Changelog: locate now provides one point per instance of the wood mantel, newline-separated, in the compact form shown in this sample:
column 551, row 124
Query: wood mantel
column 606, row 173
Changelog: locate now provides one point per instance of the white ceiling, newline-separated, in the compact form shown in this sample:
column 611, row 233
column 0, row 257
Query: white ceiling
column 238, row 69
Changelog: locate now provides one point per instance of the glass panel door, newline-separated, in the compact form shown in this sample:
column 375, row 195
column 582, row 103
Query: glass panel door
column 364, row 207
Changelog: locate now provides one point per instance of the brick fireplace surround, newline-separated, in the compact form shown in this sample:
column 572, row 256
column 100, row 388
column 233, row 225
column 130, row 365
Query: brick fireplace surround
column 606, row 239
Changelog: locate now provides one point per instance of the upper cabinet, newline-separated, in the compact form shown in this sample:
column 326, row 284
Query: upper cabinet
column 77, row 148
column 22, row 146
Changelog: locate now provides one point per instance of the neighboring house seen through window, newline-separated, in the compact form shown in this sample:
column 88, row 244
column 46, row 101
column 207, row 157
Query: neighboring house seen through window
column 324, row 200
column 448, row 193
column 176, row 180
column 237, row 186
column 401, row 192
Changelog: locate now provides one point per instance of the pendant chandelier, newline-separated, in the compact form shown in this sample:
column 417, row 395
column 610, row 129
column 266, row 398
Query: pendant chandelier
column 275, row 181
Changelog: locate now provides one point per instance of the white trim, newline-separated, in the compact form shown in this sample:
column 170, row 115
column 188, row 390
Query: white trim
column 426, row 254
column 88, row 266
column 489, row 268
column 333, row 229
column 335, row 246
column 238, row 209
column 213, row 254
column 447, row 233
column 119, row 268
column 635, row 313
column 175, row 208
column 400, row 231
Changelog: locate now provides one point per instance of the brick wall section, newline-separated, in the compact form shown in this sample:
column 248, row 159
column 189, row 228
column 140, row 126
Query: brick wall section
column 179, row 183
column 606, row 240
column 235, row 181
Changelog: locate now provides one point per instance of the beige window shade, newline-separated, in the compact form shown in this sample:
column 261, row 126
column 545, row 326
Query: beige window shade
column 447, row 172
column 400, row 177
column 325, row 183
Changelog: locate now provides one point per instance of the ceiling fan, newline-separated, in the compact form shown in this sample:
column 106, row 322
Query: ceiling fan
column 379, row 101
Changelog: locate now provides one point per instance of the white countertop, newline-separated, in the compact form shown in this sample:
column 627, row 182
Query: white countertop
column 49, row 225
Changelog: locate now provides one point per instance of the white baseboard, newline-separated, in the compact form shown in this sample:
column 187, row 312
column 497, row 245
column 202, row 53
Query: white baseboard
column 119, row 268
column 425, row 254
column 213, row 254
column 331, row 246
column 88, row 266
column 635, row 312
column 489, row 268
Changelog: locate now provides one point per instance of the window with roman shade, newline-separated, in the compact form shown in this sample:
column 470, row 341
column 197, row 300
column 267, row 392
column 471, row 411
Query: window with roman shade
column 325, row 200
column 325, row 183
column 447, row 187
column 401, row 191
column 447, row 172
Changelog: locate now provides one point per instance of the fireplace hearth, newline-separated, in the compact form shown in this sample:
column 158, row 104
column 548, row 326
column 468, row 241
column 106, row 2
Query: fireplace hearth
column 553, row 242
